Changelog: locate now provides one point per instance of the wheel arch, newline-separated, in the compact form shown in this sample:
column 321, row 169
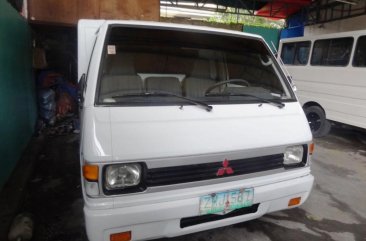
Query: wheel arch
column 313, row 103
column 324, row 125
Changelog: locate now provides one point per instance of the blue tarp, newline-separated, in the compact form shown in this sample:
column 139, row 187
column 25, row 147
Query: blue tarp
column 295, row 27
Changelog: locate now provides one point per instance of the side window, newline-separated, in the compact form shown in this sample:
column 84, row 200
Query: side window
column 295, row 53
column 288, row 53
column 320, row 51
column 332, row 52
column 359, row 59
column 302, row 53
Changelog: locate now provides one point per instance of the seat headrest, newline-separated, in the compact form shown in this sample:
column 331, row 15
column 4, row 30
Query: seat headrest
column 201, row 69
column 120, row 64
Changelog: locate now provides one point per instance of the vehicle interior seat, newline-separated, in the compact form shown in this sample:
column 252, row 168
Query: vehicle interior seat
column 163, row 84
column 202, row 76
column 120, row 76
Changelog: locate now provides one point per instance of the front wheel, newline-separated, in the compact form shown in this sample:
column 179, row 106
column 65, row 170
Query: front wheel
column 319, row 126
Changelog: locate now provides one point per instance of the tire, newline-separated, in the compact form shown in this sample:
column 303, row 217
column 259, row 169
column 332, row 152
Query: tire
column 319, row 125
column 361, row 136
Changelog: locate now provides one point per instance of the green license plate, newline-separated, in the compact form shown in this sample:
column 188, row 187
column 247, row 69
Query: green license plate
column 224, row 202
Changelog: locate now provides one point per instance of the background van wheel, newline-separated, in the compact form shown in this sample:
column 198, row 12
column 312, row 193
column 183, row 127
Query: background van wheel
column 319, row 126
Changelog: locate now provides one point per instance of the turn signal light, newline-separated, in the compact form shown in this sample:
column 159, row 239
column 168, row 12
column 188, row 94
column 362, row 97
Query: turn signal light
column 294, row 201
column 125, row 236
column 311, row 148
column 91, row 172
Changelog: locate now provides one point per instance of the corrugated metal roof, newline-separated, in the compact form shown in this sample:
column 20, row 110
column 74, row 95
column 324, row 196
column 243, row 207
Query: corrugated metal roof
column 265, row 8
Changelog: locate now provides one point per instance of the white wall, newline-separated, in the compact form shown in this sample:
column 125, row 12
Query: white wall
column 350, row 24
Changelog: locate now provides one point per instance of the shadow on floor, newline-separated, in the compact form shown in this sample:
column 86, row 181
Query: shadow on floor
column 54, row 192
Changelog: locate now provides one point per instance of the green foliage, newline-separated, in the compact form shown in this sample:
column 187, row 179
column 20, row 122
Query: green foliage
column 230, row 17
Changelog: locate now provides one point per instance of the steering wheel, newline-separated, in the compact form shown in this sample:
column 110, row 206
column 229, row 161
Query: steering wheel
column 209, row 89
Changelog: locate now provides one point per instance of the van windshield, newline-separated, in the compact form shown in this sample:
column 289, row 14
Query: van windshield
column 205, row 66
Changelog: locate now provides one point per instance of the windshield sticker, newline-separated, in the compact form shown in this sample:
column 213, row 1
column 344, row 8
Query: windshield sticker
column 111, row 49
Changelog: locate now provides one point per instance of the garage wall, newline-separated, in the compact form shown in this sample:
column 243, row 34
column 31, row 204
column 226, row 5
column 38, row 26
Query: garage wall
column 17, row 95
column 68, row 12
column 349, row 24
column 270, row 35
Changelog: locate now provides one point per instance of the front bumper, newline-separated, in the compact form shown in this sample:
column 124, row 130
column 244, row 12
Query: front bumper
column 162, row 218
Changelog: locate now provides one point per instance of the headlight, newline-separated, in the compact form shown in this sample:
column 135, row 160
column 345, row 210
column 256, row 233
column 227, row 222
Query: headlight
column 293, row 155
column 122, row 175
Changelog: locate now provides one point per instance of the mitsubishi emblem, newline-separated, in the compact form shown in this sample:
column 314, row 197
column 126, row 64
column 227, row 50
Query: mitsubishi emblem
column 225, row 169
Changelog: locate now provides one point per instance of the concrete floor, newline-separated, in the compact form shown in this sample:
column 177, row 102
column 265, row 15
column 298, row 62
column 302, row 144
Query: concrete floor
column 335, row 210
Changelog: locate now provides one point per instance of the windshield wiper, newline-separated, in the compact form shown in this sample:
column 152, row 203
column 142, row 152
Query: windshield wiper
column 163, row 94
column 278, row 104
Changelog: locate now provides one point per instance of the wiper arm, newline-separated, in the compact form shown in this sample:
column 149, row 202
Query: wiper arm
column 161, row 93
column 278, row 104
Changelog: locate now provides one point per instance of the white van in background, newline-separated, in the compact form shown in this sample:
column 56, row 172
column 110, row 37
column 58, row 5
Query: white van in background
column 330, row 75
column 184, row 129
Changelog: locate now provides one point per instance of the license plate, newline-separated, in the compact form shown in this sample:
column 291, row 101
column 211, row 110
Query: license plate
column 224, row 202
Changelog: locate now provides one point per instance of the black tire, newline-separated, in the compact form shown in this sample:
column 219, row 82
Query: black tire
column 319, row 126
column 361, row 136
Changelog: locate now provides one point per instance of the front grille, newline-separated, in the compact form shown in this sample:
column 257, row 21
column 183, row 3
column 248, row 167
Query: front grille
column 199, row 172
column 191, row 221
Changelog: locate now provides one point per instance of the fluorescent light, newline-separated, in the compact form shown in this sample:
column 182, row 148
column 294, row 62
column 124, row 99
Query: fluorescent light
column 353, row 2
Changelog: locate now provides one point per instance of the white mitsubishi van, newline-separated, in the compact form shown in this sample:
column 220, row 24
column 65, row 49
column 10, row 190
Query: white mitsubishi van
column 185, row 129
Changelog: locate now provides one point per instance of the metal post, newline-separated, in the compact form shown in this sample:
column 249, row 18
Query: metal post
column 331, row 12
column 342, row 10
column 270, row 9
column 326, row 11
column 349, row 9
column 318, row 12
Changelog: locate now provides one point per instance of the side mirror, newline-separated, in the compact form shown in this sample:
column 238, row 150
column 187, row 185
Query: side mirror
column 82, row 85
column 293, row 86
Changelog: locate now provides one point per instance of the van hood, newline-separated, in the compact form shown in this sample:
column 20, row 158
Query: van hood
column 142, row 133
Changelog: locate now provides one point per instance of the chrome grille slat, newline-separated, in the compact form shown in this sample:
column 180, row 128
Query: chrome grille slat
column 198, row 172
